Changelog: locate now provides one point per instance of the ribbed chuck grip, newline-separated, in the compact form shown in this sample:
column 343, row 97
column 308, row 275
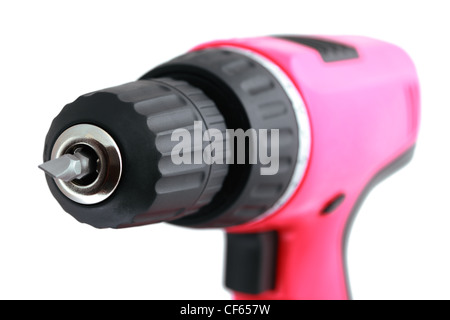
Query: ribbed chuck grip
column 141, row 116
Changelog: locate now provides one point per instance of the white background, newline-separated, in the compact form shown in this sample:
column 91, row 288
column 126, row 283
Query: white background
column 52, row 52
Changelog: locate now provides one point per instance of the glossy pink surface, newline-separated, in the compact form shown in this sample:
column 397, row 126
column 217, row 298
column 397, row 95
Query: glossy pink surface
column 364, row 113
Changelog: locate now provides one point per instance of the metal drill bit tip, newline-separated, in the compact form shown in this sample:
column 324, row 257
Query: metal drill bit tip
column 68, row 167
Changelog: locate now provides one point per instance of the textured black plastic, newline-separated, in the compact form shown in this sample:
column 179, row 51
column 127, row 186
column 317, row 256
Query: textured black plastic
column 140, row 116
column 251, row 261
column 330, row 51
column 247, row 95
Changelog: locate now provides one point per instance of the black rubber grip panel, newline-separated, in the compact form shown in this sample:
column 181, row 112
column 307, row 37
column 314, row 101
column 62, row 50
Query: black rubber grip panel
column 251, row 261
column 329, row 50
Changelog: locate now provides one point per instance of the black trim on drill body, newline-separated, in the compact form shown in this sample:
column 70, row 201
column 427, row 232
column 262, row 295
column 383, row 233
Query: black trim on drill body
column 384, row 173
column 330, row 51
column 241, row 88
column 251, row 260
column 333, row 204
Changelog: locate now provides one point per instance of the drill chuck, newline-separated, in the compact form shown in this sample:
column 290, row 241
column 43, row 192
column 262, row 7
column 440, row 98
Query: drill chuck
column 129, row 176
column 157, row 107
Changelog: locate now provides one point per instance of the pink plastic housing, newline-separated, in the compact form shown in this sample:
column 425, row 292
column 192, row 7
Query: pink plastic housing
column 364, row 113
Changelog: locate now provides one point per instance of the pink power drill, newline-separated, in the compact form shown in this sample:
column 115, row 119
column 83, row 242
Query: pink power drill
column 277, row 139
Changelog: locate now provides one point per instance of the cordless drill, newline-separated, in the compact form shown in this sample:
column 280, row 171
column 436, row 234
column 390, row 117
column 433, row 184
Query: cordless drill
column 276, row 139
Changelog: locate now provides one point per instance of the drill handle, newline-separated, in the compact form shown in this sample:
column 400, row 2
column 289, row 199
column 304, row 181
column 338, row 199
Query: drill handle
column 305, row 260
column 302, row 257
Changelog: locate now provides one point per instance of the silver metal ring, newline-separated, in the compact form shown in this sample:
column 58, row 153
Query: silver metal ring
column 303, row 123
column 109, row 169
